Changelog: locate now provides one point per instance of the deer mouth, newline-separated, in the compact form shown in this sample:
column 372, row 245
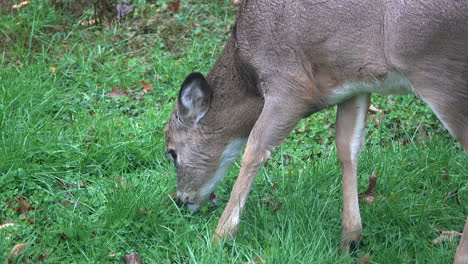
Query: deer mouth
column 195, row 207
column 185, row 200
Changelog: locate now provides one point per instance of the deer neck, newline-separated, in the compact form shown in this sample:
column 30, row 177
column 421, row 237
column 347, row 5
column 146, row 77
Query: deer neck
column 235, row 103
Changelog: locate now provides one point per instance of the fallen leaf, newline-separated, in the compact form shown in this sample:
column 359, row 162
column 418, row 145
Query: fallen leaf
column 89, row 22
column 257, row 260
column 375, row 119
column 118, row 93
column 375, row 109
column 146, row 86
column 143, row 211
column 406, row 142
column 23, row 208
column 173, row 7
column 21, row 5
column 132, row 258
column 364, row 259
column 6, row 225
column 422, row 135
column 449, row 236
column 119, row 179
column 368, row 195
column 17, row 250
column 43, row 256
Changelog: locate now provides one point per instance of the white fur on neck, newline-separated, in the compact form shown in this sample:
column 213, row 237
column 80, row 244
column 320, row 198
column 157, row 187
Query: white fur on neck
column 230, row 153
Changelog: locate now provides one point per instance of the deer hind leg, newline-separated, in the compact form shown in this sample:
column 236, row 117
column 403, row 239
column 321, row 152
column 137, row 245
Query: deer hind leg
column 451, row 107
column 279, row 115
column 447, row 96
column 350, row 125
column 461, row 256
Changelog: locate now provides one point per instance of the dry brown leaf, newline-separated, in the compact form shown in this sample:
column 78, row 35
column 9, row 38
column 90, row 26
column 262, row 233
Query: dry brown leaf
column 132, row 258
column 375, row 119
column 17, row 250
column 143, row 211
column 119, row 179
column 21, row 5
column 89, row 22
column 257, row 260
column 364, row 259
column 173, row 7
column 23, row 208
column 368, row 195
column 448, row 235
column 117, row 93
column 43, row 256
column 422, row 135
column 375, row 109
column 146, row 86
column 405, row 142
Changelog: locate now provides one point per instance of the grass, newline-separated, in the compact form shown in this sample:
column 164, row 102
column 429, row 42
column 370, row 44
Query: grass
column 93, row 166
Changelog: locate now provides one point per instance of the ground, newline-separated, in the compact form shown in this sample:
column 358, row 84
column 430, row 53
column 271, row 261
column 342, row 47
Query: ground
column 84, row 178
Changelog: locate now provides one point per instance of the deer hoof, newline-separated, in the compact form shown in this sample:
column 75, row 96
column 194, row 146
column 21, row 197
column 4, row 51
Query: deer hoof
column 351, row 242
column 217, row 238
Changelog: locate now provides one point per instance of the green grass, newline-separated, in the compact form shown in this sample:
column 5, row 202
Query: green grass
column 94, row 166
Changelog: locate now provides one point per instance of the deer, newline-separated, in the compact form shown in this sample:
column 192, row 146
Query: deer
column 286, row 60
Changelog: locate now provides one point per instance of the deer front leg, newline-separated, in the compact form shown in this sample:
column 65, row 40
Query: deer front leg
column 350, row 125
column 279, row 115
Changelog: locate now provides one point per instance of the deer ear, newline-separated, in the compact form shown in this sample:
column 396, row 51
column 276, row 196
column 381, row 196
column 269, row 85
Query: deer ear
column 194, row 98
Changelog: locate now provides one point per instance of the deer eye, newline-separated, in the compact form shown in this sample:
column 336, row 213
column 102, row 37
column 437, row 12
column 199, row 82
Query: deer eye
column 172, row 154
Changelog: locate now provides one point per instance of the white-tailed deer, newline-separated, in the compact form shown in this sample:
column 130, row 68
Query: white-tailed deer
column 288, row 59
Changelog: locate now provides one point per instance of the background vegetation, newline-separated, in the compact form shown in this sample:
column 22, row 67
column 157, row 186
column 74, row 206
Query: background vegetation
column 84, row 178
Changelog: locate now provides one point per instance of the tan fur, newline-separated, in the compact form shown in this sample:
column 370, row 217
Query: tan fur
column 288, row 59
column 461, row 256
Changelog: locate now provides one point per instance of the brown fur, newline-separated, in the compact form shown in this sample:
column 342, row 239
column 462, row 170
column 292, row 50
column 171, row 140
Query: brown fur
column 288, row 59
